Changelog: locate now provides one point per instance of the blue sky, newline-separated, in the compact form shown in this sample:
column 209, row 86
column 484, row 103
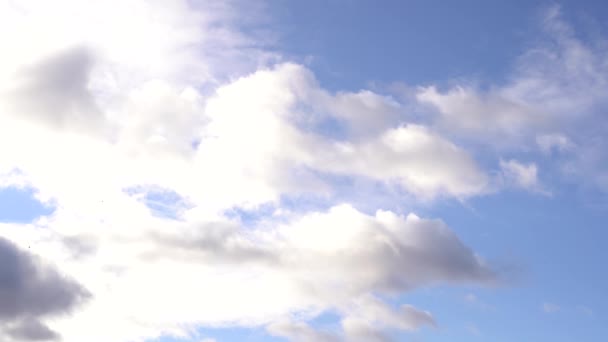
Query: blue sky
column 419, row 42
column 304, row 171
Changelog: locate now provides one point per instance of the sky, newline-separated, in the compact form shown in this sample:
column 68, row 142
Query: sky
column 303, row 171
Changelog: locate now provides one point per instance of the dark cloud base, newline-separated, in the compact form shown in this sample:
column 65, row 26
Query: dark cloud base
column 31, row 291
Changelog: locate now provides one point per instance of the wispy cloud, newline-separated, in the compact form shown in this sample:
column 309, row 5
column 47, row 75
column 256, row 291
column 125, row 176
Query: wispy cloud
column 550, row 307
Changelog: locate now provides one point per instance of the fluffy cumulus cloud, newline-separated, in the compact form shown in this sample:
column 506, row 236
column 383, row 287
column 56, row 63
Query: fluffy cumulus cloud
column 140, row 124
column 271, row 124
column 143, row 126
column 214, row 273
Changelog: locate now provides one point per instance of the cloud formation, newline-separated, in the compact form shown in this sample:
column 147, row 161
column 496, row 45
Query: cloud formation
column 318, row 262
column 411, row 155
column 520, row 175
column 31, row 291
column 369, row 320
column 557, row 82
column 553, row 98
column 162, row 100
column 97, row 124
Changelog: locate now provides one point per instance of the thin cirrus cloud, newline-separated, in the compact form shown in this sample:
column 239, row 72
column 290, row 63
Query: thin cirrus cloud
column 550, row 308
column 553, row 98
column 101, row 109
column 522, row 175
column 554, row 84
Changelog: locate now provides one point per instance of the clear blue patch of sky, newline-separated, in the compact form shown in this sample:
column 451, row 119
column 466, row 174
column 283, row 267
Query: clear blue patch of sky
column 503, row 315
column 551, row 249
column 416, row 42
column 351, row 43
column 19, row 205
column 249, row 217
column 162, row 202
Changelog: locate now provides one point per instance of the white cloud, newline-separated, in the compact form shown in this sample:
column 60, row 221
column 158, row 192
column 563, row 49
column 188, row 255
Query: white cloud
column 300, row 332
column 371, row 311
column 167, row 276
column 271, row 143
column 367, row 319
column 366, row 113
column 101, row 98
column 524, row 176
column 419, row 160
column 555, row 83
column 359, row 330
column 554, row 98
column 468, row 113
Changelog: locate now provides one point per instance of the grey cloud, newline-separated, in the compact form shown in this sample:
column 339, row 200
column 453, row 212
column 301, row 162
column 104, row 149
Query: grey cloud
column 300, row 332
column 31, row 290
column 365, row 113
column 361, row 331
column 218, row 241
column 55, row 92
column 440, row 256
column 353, row 331
column 31, row 329
column 416, row 318
column 339, row 260
column 81, row 245
column 371, row 321
column 392, row 257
